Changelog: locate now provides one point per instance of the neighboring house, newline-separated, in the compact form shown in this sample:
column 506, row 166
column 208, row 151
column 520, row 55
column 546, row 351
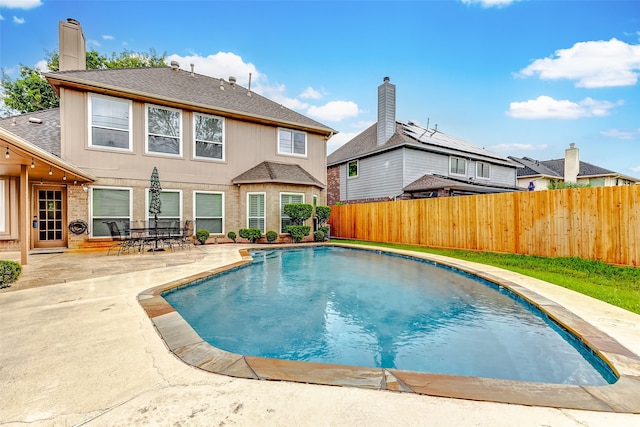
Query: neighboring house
column 227, row 157
column 393, row 159
column 540, row 175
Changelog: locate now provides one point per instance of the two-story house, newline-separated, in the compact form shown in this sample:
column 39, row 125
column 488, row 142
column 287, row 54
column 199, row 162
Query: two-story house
column 542, row 174
column 227, row 157
column 393, row 159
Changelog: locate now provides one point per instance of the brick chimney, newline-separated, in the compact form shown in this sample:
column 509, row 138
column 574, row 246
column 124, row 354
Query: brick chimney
column 386, row 111
column 571, row 164
column 73, row 48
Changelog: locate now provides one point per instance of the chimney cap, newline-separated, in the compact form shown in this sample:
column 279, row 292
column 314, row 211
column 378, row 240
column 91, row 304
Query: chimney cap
column 386, row 79
column 73, row 21
column 572, row 145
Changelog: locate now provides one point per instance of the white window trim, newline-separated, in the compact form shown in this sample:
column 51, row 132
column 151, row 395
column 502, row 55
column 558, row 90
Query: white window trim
column 293, row 131
column 195, row 213
column 488, row 168
column 465, row 166
column 264, row 196
column 146, row 202
column 91, row 218
column 224, row 145
column 146, row 130
column 90, row 124
column 357, row 169
column 288, row 193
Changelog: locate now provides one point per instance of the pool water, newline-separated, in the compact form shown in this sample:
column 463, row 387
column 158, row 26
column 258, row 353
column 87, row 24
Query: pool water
column 366, row 308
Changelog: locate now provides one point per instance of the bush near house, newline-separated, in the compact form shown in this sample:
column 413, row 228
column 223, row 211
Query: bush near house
column 202, row 235
column 251, row 234
column 298, row 213
column 232, row 236
column 319, row 236
column 9, row 273
column 271, row 236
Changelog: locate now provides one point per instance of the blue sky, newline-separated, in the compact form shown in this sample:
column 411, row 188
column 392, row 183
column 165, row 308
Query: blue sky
column 522, row 78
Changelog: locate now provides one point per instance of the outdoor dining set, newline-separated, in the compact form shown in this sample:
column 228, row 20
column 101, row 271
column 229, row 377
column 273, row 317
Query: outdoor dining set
column 149, row 236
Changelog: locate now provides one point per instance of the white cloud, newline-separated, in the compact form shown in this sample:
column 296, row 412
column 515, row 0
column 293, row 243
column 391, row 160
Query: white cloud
column 95, row 43
column 107, row 37
column 334, row 111
column 635, row 169
column 622, row 134
column 42, row 66
column 1, row 18
column 311, row 93
column 220, row 65
column 20, row 4
column 592, row 64
column 17, row 20
column 545, row 107
column 338, row 140
column 490, row 3
column 509, row 148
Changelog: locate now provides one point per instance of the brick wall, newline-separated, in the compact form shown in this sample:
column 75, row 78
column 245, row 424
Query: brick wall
column 333, row 185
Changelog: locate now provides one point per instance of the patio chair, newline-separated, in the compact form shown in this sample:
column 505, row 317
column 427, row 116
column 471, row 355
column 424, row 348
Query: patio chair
column 185, row 235
column 122, row 240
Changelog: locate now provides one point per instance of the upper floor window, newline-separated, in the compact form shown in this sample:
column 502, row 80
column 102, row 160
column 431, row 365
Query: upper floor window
column 110, row 122
column 352, row 167
column 482, row 170
column 164, row 129
column 457, row 166
column 209, row 137
column 292, row 142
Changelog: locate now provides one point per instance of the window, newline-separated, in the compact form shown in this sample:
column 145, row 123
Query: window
column 170, row 206
column 164, row 126
column 596, row 182
column 209, row 137
column 458, row 166
column 110, row 122
column 209, row 212
column 109, row 204
column 286, row 199
column 482, row 170
column 255, row 211
column 352, row 167
column 292, row 142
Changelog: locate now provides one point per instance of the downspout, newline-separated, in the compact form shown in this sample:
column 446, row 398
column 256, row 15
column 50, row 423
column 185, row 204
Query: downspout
column 24, row 221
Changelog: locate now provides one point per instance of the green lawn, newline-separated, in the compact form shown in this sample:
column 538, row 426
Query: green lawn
column 616, row 285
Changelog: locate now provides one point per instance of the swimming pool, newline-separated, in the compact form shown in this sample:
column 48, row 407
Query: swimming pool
column 364, row 308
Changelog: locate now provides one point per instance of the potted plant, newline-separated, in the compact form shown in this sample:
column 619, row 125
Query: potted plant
column 202, row 235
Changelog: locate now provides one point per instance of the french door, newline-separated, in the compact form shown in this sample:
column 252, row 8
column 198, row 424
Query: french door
column 49, row 217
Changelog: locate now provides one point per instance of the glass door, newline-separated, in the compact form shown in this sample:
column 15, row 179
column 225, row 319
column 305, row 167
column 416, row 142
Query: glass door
column 49, row 218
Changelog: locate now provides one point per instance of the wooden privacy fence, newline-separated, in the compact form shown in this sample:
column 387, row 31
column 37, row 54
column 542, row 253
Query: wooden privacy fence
column 600, row 223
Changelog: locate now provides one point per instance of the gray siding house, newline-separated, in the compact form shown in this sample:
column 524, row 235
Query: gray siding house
column 394, row 159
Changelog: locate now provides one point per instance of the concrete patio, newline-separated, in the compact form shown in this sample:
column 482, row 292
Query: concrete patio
column 77, row 348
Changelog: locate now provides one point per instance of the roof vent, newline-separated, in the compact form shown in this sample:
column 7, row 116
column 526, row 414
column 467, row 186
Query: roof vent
column 175, row 65
column 232, row 80
column 192, row 67
column 73, row 21
column 35, row 120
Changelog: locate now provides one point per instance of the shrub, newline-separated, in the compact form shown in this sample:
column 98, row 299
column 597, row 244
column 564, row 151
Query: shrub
column 319, row 236
column 251, row 234
column 298, row 212
column 298, row 232
column 202, row 235
column 9, row 273
column 271, row 236
column 232, row 236
column 323, row 213
column 325, row 230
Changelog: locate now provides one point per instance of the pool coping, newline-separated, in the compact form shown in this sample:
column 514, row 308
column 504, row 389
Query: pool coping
column 620, row 397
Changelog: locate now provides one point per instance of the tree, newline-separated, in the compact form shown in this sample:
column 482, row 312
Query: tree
column 31, row 91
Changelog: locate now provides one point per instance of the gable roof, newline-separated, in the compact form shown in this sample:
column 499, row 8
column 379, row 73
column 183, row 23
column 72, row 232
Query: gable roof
column 555, row 168
column 411, row 135
column 433, row 182
column 41, row 128
column 182, row 89
column 275, row 172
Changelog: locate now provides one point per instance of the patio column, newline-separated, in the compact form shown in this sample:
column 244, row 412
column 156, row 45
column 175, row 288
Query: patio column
column 24, row 219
